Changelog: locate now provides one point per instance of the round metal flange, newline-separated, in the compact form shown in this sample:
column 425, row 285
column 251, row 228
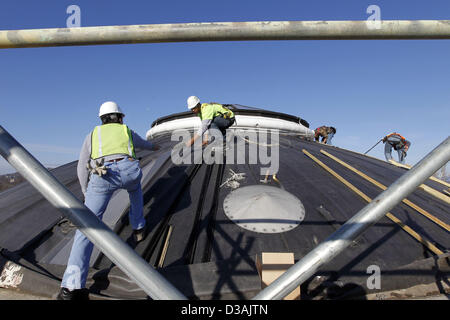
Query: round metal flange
column 264, row 209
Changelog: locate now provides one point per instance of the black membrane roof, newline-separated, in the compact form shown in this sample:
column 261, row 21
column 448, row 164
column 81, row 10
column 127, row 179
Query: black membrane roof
column 209, row 256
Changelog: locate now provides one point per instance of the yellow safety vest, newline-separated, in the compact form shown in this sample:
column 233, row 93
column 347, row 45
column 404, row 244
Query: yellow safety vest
column 111, row 138
column 209, row 111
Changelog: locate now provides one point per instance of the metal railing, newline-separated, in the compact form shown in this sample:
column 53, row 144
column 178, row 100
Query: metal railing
column 227, row 31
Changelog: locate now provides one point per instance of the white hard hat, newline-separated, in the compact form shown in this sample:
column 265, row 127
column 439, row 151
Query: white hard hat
column 109, row 107
column 192, row 102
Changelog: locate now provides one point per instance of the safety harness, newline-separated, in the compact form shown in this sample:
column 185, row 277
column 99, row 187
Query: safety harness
column 399, row 145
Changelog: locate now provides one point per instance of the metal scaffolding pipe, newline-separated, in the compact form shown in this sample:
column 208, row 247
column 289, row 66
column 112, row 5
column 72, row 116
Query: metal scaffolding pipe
column 122, row 255
column 369, row 215
column 227, row 31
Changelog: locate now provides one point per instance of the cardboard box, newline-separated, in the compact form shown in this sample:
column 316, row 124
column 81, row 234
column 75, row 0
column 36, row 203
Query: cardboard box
column 271, row 265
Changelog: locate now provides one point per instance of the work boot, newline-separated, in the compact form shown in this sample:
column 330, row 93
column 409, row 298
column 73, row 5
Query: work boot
column 77, row 294
column 139, row 235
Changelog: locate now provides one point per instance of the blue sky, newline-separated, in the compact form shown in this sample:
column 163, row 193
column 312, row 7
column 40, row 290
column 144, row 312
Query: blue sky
column 50, row 96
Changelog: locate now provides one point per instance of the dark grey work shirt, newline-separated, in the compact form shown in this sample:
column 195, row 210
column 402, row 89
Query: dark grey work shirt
column 85, row 157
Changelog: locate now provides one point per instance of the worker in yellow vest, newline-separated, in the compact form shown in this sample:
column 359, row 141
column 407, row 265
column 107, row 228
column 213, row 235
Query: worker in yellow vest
column 107, row 162
column 212, row 115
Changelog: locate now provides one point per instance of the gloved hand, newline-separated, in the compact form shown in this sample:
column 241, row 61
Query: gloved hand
column 404, row 154
column 384, row 139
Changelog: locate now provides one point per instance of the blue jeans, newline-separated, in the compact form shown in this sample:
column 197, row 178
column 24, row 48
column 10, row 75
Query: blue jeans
column 388, row 153
column 124, row 174
column 221, row 124
column 330, row 136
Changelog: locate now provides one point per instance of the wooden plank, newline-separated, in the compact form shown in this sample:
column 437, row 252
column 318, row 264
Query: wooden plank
column 165, row 247
column 406, row 166
column 389, row 215
column 383, row 187
column 272, row 265
column 395, row 163
column 435, row 193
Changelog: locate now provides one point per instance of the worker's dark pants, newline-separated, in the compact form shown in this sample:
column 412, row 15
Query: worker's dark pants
column 391, row 143
column 221, row 124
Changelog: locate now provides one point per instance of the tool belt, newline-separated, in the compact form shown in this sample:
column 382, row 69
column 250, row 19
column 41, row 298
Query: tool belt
column 120, row 159
column 99, row 168
column 399, row 145
column 226, row 115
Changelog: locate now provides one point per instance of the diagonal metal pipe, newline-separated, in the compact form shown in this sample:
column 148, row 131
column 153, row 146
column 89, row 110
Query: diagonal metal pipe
column 122, row 255
column 353, row 228
column 227, row 31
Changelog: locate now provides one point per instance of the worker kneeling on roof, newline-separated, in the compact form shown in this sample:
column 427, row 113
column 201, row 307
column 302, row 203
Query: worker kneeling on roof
column 399, row 143
column 326, row 133
column 107, row 162
column 212, row 115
